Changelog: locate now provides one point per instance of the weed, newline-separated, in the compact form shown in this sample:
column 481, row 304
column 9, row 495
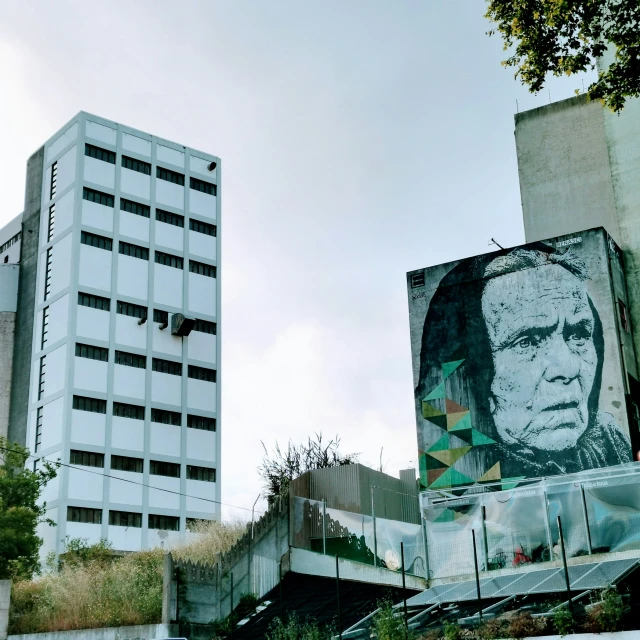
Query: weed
column 387, row 624
column 451, row 631
column 563, row 621
column 523, row 624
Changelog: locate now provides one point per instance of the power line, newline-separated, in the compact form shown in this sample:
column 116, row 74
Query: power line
column 142, row 484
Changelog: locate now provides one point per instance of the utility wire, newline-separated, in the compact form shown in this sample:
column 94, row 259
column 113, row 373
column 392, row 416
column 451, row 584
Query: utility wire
column 142, row 484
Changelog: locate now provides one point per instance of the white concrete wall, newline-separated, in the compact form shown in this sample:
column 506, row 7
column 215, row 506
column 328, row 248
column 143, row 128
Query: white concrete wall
column 163, row 499
column 135, row 184
column 167, row 286
column 127, row 434
column 133, row 277
column 88, row 427
column 99, row 172
column 201, row 394
column 7, row 335
column 202, row 294
column 129, row 382
column 125, row 489
column 202, row 245
column 134, row 226
column 136, row 144
column 89, row 375
column 202, row 204
column 95, row 267
column 169, row 193
column 96, row 216
column 202, row 346
column 170, row 236
column 129, row 332
column 165, row 439
column 201, row 445
column 61, row 141
column 166, row 388
column 100, row 132
column 92, row 323
column 85, row 483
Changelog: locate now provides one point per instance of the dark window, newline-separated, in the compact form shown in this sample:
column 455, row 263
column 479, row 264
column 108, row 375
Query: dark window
column 203, row 227
column 167, row 366
column 99, row 154
column 201, row 473
column 87, row 458
column 95, row 302
column 200, row 422
column 130, row 309
column 165, row 523
column 54, row 180
column 194, row 524
column 82, row 403
column 170, row 176
column 205, row 326
column 135, row 207
column 82, row 514
column 624, row 316
column 43, row 367
column 136, row 165
column 205, row 187
column 168, row 260
column 125, row 463
column 133, row 250
column 38, row 429
column 417, row 280
column 166, row 417
column 131, row 360
column 50, row 227
column 161, row 316
column 169, row 469
column 91, row 352
column 125, row 519
column 47, row 277
column 202, row 269
column 97, row 196
column 45, row 327
column 94, row 240
column 202, row 373
column 123, row 410
column 169, row 218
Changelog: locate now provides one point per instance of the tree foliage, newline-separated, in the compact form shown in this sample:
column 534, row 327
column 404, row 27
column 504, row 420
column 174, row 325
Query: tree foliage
column 280, row 467
column 20, row 512
column 564, row 37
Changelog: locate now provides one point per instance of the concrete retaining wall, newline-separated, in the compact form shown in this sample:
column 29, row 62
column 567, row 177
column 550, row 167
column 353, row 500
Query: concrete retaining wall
column 5, row 600
column 139, row 632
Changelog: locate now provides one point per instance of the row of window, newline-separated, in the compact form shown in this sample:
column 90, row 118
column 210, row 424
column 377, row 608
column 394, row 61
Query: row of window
column 136, row 251
column 127, row 519
column 10, row 242
column 135, row 465
column 138, row 311
column 108, row 200
column 137, row 412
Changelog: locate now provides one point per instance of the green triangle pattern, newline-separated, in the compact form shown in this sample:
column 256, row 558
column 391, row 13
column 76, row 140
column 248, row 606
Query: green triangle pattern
column 438, row 392
column 463, row 424
column 478, row 438
column 441, row 445
column 451, row 478
column 446, row 516
column 449, row 367
column 510, row 483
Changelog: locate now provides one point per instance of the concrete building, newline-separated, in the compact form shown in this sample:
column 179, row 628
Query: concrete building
column 115, row 365
column 578, row 165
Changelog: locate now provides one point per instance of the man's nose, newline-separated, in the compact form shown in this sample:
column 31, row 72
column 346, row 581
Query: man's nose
column 563, row 365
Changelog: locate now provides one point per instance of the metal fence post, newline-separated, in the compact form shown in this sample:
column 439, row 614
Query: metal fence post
column 547, row 525
column 338, row 599
column 375, row 537
column 485, row 542
column 564, row 563
column 404, row 589
column 475, row 562
column 324, row 527
column 585, row 515
column 426, row 548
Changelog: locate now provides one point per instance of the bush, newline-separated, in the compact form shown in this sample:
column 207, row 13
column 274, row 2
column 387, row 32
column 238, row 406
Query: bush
column 387, row 625
column 523, row 624
column 492, row 629
column 296, row 630
column 94, row 588
column 563, row 621
column 609, row 614
column 451, row 631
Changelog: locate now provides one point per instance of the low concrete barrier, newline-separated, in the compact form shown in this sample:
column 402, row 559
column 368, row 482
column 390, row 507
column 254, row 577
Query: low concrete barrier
column 139, row 632
column 5, row 600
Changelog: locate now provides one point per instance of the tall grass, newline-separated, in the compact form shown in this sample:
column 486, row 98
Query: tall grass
column 103, row 592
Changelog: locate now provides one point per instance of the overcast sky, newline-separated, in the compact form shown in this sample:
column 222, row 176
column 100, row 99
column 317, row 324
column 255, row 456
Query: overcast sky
column 359, row 140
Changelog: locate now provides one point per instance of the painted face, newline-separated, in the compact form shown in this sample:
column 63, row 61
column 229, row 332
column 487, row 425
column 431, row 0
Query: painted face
column 540, row 329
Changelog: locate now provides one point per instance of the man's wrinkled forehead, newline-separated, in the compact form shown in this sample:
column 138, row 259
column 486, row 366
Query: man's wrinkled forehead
column 533, row 296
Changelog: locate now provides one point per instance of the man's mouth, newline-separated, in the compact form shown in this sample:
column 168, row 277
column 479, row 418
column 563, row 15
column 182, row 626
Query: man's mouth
column 560, row 406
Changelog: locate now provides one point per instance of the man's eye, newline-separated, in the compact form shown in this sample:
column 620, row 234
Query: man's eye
column 579, row 336
column 525, row 342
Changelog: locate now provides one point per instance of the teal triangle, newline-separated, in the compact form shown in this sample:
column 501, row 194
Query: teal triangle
column 451, row 478
column 463, row 424
column 479, row 438
column 440, row 445
column 509, row 483
column 438, row 392
column 449, row 367
column 446, row 516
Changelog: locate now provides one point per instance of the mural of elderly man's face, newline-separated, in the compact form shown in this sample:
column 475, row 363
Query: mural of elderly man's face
column 540, row 327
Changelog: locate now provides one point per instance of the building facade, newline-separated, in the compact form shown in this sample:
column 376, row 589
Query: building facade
column 523, row 362
column 116, row 360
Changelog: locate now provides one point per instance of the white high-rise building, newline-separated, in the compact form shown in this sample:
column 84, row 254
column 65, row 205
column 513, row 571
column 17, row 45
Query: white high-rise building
column 116, row 350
